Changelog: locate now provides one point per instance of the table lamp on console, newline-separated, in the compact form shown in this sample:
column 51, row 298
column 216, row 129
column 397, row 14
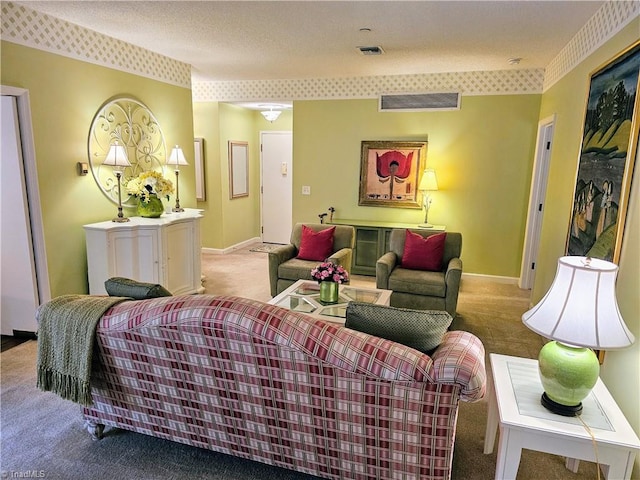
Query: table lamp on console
column 428, row 183
column 176, row 159
column 578, row 313
column 117, row 159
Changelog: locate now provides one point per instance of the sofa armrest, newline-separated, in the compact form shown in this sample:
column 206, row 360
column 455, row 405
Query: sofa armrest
column 342, row 257
column 459, row 359
column 277, row 256
column 452, row 280
column 384, row 266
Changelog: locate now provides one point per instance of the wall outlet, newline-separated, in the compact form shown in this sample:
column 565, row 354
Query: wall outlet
column 306, row 190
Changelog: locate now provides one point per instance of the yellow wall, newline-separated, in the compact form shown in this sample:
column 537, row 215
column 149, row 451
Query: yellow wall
column 65, row 95
column 567, row 99
column 229, row 222
column 482, row 153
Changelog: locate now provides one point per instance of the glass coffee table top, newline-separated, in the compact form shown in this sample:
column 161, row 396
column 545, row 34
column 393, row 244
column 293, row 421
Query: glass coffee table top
column 304, row 296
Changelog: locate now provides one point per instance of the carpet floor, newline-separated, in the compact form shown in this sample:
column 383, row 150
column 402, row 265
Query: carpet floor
column 43, row 436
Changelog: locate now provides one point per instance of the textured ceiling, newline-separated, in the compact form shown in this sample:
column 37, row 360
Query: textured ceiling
column 244, row 40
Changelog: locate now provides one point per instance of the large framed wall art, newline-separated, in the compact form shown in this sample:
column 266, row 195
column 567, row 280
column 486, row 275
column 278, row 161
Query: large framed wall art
column 607, row 154
column 389, row 173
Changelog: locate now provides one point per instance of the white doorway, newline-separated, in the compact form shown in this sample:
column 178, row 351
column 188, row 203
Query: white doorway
column 276, row 158
column 24, row 280
column 536, row 202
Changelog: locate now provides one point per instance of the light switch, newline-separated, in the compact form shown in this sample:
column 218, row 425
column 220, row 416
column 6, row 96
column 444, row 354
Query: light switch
column 283, row 168
column 306, row 190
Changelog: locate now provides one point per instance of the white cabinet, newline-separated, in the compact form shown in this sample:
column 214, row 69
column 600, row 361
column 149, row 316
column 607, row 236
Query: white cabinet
column 163, row 250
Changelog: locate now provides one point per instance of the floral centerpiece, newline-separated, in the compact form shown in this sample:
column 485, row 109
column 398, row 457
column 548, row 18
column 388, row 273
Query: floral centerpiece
column 148, row 187
column 329, row 276
column 330, row 272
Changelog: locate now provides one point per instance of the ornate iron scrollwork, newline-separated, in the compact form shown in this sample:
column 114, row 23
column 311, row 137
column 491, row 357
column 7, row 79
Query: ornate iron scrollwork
column 131, row 124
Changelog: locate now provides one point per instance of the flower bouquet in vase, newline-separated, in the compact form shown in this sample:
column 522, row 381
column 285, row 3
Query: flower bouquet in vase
column 329, row 276
column 149, row 187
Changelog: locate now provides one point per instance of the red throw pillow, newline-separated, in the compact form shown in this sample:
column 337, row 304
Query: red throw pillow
column 423, row 253
column 316, row 245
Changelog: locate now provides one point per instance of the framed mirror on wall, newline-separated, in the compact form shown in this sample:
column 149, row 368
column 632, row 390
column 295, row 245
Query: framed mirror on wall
column 238, row 169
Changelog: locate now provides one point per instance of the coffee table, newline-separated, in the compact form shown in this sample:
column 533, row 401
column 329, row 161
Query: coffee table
column 304, row 296
column 514, row 406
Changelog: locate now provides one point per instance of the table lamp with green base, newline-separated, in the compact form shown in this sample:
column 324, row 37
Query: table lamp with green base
column 579, row 313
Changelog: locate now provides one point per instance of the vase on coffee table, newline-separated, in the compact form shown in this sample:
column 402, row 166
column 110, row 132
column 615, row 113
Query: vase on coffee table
column 329, row 292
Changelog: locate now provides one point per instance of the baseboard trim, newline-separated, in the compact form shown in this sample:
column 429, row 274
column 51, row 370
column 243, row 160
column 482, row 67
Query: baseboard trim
column 494, row 278
column 232, row 248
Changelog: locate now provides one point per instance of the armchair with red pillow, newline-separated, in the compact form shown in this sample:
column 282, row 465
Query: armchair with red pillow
column 311, row 244
column 422, row 268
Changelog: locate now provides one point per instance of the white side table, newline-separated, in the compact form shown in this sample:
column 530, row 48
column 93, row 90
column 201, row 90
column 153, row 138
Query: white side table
column 514, row 406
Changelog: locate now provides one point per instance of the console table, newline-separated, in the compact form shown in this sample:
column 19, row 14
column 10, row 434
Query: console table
column 163, row 250
column 372, row 241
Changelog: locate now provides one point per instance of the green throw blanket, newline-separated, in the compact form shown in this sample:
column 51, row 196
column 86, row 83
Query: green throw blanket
column 66, row 332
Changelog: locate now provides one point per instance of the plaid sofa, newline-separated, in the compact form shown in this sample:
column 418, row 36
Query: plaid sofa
column 257, row 381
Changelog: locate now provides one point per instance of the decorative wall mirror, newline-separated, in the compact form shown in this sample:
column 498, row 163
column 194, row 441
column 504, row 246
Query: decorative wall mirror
column 131, row 124
column 238, row 169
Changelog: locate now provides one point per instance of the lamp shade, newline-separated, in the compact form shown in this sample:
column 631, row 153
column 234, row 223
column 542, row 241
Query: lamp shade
column 428, row 181
column 117, row 157
column 271, row 115
column 580, row 308
column 176, row 157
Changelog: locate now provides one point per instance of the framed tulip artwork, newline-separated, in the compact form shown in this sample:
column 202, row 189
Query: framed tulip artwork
column 608, row 151
column 389, row 173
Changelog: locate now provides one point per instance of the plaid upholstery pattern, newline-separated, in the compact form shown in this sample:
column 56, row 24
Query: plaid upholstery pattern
column 257, row 381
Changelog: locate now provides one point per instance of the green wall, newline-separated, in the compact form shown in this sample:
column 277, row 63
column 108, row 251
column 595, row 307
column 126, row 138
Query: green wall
column 65, row 95
column 229, row 222
column 567, row 99
column 482, row 153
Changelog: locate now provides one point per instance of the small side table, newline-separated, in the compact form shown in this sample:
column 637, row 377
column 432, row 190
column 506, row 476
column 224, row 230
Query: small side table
column 514, row 406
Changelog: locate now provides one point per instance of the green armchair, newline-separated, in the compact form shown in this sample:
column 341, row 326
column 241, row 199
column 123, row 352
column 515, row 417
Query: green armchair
column 285, row 269
column 418, row 289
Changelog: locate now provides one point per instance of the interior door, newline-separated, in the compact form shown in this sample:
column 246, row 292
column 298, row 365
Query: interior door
column 18, row 287
column 277, row 175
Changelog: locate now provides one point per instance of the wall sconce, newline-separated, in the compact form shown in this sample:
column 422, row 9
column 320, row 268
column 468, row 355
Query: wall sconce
column 117, row 159
column 271, row 115
column 176, row 158
column 428, row 183
column 83, row 168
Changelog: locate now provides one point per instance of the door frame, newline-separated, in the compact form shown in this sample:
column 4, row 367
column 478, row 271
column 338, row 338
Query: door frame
column 539, row 180
column 30, row 169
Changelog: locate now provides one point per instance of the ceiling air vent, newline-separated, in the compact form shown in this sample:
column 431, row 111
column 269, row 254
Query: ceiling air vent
column 419, row 101
column 377, row 50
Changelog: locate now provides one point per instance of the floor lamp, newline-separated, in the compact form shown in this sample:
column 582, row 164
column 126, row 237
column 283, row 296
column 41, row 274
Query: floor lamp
column 176, row 159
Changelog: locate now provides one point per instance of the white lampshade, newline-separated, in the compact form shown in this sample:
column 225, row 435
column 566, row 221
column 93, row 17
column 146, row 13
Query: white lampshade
column 117, row 157
column 580, row 308
column 271, row 115
column 176, row 157
column 429, row 181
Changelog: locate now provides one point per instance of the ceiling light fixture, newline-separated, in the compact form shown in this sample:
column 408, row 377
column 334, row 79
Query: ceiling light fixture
column 271, row 115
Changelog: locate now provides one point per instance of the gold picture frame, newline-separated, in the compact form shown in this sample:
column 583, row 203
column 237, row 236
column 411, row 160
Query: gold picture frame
column 389, row 173
column 607, row 155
